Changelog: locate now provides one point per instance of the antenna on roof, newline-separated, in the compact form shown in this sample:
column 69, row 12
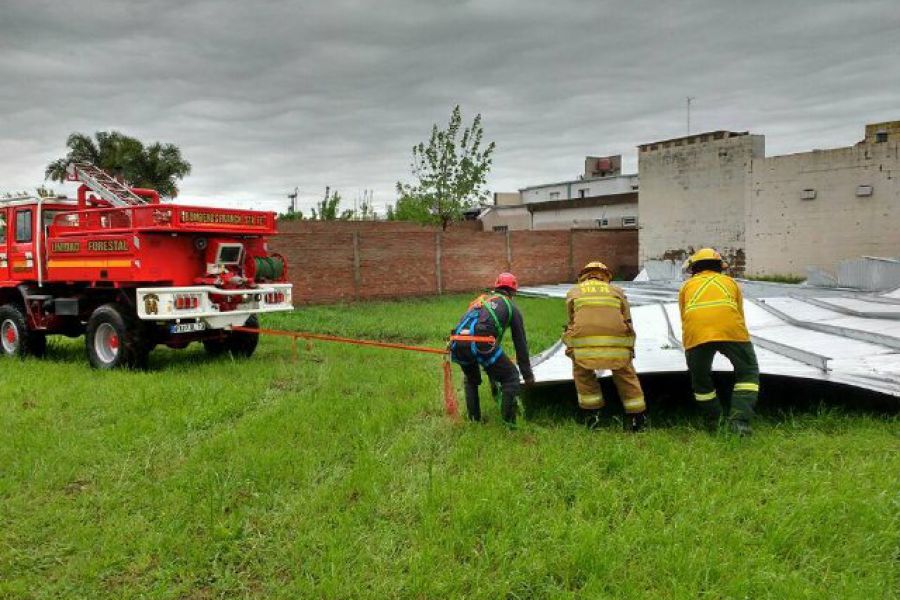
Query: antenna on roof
column 689, row 99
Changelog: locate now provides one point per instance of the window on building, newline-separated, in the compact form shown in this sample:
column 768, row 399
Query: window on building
column 603, row 222
column 583, row 192
column 554, row 195
column 881, row 136
column 501, row 228
column 629, row 221
column 23, row 225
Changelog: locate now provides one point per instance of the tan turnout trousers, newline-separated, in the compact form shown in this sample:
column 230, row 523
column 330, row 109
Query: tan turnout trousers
column 600, row 336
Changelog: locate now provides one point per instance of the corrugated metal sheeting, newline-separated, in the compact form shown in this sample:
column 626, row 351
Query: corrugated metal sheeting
column 836, row 336
column 869, row 273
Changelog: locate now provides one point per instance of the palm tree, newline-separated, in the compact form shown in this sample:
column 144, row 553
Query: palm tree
column 157, row 166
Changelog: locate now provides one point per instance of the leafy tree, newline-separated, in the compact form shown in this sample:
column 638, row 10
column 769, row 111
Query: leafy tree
column 45, row 192
column 451, row 170
column 329, row 206
column 157, row 166
column 291, row 215
column 366, row 211
column 414, row 208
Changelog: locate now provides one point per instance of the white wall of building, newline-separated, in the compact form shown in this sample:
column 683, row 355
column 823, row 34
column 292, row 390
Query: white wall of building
column 586, row 218
column 512, row 218
column 693, row 194
column 776, row 215
column 581, row 188
column 786, row 233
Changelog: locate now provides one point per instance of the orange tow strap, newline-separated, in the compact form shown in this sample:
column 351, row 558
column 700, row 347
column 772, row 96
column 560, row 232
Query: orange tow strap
column 450, row 402
column 487, row 339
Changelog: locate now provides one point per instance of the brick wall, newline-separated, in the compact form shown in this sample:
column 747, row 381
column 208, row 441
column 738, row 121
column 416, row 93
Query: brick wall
column 617, row 248
column 332, row 262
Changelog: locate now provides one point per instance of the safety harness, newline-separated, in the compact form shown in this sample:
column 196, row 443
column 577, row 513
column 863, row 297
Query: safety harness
column 465, row 331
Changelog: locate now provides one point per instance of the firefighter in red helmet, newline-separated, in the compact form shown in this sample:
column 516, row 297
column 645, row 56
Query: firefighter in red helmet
column 488, row 317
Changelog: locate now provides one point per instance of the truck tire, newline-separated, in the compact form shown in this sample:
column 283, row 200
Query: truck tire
column 15, row 337
column 239, row 344
column 215, row 346
column 115, row 339
column 242, row 344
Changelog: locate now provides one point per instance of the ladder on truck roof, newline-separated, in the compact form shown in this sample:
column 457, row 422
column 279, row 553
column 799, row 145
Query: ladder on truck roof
column 106, row 186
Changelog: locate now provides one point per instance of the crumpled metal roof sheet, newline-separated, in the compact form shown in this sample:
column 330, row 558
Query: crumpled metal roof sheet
column 796, row 339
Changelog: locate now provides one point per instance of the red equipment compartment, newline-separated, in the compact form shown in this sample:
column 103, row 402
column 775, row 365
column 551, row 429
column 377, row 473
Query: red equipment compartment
column 159, row 217
column 151, row 243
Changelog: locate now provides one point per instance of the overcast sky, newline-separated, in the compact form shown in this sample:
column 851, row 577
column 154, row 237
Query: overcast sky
column 263, row 96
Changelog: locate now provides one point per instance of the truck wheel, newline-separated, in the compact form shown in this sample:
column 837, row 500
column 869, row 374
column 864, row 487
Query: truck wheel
column 215, row 346
column 242, row 344
column 15, row 337
column 115, row 339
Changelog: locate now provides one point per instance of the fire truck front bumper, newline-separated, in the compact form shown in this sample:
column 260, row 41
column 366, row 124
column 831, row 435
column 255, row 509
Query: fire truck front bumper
column 193, row 304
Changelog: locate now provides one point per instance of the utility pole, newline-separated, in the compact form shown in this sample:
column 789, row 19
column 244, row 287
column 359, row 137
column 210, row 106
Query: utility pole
column 689, row 99
column 293, row 199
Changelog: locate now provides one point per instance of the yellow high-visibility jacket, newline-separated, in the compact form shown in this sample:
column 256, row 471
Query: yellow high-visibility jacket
column 712, row 310
column 599, row 334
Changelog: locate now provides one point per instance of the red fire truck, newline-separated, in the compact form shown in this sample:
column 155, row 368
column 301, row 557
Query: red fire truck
column 129, row 273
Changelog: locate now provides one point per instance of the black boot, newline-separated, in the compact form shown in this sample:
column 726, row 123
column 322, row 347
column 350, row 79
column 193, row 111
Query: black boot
column 509, row 409
column 473, row 405
column 712, row 414
column 636, row 422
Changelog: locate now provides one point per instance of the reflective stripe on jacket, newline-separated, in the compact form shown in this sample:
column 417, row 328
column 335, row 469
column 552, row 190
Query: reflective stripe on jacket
column 712, row 310
column 599, row 333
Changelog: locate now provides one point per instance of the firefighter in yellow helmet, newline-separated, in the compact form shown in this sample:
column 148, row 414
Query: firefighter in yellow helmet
column 599, row 335
column 712, row 320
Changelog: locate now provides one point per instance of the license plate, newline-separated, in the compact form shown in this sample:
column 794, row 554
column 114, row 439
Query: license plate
column 187, row 327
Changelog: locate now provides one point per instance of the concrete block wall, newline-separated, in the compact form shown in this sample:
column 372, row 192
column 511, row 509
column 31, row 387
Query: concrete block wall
column 693, row 195
column 384, row 260
column 786, row 233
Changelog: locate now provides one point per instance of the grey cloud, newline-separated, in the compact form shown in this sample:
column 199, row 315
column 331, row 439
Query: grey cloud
column 267, row 95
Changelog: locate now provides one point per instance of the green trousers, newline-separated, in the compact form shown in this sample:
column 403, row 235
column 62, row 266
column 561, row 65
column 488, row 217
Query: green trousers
column 746, row 378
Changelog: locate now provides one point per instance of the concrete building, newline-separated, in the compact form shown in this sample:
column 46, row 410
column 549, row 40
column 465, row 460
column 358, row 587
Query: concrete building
column 602, row 176
column 821, row 207
column 507, row 199
column 693, row 191
column 770, row 215
column 601, row 197
column 505, row 218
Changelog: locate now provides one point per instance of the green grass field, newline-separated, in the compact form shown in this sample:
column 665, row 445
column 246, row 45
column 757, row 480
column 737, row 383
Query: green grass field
column 338, row 476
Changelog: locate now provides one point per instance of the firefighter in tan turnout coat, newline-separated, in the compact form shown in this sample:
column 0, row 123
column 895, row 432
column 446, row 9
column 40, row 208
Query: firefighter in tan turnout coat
column 599, row 335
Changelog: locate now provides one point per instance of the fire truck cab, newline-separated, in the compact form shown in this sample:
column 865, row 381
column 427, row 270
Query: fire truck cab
column 130, row 273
